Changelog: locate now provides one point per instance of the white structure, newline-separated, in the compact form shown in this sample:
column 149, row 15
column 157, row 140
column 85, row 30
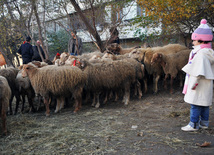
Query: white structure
column 56, row 19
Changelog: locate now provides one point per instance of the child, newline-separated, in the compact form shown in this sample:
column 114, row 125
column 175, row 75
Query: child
column 198, row 86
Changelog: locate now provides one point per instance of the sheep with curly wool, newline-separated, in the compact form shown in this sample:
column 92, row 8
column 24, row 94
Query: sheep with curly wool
column 10, row 74
column 172, row 65
column 5, row 95
column 108, row 76
column 63, row 82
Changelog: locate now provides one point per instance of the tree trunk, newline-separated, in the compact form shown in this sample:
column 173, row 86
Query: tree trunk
column 40, row 32
column 91, row 30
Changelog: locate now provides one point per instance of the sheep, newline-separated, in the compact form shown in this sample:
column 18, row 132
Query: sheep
column 5, row 94
column 10, row 74
column 117, row 49
column 59, row 81
column 138, row 66
column 25, row 89
column 171, row 64
column 112, row 56
column 108, row 76
column 144, row 55
column 63, row 57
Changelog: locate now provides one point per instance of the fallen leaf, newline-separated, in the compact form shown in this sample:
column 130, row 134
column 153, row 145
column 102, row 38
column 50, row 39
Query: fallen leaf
column 140, row 134
column 205, row 144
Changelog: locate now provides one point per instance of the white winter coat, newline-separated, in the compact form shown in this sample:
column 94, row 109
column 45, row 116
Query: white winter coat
column 201, row 71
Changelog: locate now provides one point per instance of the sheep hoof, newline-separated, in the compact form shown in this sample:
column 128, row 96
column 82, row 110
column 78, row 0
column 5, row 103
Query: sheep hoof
column 56, row 111
column 47, row 114
column 97, row 106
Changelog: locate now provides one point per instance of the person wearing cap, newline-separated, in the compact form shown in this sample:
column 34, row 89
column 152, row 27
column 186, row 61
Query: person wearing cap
column 26, row 51
column 198, row 85
column 36, row 55
column 75, row 44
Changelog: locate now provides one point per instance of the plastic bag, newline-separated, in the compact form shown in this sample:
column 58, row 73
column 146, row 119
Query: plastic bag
column 2, row 60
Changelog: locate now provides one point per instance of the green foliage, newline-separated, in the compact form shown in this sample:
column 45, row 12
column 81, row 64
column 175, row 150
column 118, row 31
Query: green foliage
column 58, row 42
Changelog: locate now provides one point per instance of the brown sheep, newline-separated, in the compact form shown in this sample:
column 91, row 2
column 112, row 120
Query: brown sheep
column 144, row 55
column 10, row 74
column 117, row 49
column 172, row 65
column 5, row 94
column 62, row 81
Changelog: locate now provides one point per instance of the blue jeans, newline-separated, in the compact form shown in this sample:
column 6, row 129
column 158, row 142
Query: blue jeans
column 199, row 114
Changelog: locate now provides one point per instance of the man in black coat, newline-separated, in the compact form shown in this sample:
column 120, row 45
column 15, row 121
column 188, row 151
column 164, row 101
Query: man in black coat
column 26, row 51
column 36, row 56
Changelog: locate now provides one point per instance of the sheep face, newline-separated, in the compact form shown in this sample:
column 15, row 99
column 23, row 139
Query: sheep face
column 156, row 58
column 63, row 57
column 108, row 55
column 26, row 68
column 70, row 60
column 114, row 47
column 94, row 57
column 138, row 54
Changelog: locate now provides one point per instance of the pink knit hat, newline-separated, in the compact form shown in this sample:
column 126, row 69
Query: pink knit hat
column 203, row 32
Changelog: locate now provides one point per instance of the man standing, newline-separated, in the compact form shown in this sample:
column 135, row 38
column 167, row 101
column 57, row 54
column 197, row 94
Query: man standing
column 36, row 55
column 26, row 51
column 75, row 44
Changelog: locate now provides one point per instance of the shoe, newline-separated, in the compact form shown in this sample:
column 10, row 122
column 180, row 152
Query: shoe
column 188, row 128
column 203, row 127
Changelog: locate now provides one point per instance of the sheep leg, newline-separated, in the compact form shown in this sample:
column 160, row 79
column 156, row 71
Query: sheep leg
column 181, row 79
column 110, row 94
column 145, row 85
column 126, row 96
column 116, row 96
column 57, row 105
column 94, row 100
column 23, row 104
column 3, row 116
column 165, row 81
column 106, row 97
column 155, row 82
column 171, row 84
column 87, row 97
column 10, row 104
column 98, row 100
column 140, row 94
column 78, row 103
column 135, row 89
column 30, row 100
column 60, row 103
column 17, row 106
column 47, row 103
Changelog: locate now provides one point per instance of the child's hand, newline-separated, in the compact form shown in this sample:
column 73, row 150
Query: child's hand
column 194, row 86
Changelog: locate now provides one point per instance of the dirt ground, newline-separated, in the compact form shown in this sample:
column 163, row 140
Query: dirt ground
column 150, row 125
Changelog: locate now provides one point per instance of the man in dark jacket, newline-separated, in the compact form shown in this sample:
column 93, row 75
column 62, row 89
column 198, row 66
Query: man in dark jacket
column 36, row 56
column 26, row 51
column 75, row 44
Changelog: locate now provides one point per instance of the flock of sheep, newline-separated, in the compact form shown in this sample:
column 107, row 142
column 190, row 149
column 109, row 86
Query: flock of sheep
column 112, row 73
